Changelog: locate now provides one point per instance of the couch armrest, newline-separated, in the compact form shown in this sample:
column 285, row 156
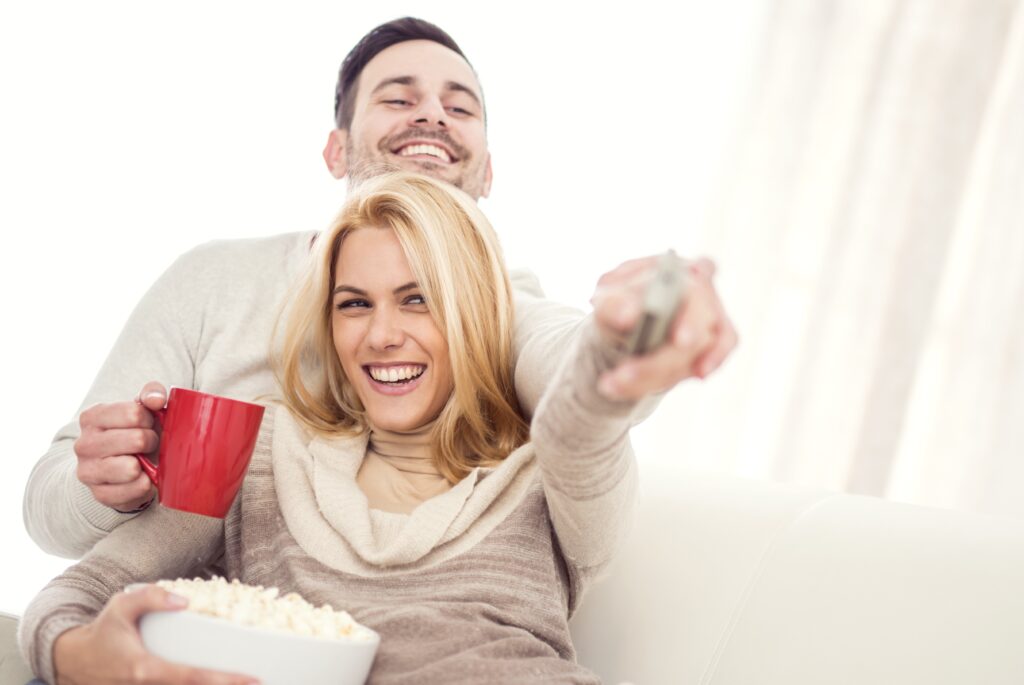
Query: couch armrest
column 13, row 670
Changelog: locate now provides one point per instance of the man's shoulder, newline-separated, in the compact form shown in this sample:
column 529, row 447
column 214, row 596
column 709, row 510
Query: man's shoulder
column 244, row 250
column 266, row 258
column 525, row 281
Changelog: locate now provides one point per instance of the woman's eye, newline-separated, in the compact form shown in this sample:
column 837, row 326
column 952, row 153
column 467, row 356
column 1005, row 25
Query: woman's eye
column 416, row 300
column 351, row 304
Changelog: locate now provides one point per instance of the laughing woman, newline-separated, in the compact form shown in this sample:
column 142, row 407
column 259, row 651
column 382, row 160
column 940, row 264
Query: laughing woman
column 397, row 479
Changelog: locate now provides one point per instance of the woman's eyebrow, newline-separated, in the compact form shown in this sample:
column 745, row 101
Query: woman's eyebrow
column 411, row 285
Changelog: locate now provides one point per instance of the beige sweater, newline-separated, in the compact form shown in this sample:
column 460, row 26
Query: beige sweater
column 206, row 324
column 475, row 586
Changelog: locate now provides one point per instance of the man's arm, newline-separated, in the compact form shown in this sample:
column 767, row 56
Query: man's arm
column 61, row 514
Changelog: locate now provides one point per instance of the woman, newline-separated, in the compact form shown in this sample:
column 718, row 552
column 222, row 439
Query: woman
column 396, row 481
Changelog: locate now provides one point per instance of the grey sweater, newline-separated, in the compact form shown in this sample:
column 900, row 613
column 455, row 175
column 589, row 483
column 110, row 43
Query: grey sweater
column 475, row 586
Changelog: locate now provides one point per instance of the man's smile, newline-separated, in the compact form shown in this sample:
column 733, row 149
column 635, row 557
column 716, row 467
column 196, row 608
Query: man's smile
column 433, row 150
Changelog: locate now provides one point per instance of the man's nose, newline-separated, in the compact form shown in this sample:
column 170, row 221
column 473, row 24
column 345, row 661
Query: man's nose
column 385, row 330
column 429, row 112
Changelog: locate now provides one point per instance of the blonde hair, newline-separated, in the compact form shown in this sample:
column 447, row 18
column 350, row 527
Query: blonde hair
column 456, row 259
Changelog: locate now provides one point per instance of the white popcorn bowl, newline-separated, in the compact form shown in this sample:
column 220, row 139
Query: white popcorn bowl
column 275, row 658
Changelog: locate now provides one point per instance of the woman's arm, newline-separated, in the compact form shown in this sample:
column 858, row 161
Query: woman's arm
column 587, row 464
column 157, row 544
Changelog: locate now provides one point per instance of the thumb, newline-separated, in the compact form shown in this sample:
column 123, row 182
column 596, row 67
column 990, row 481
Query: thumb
column 153, row 396
column 133, row 604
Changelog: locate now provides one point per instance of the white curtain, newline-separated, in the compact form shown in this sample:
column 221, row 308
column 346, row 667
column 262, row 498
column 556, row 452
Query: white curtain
column 870, row 234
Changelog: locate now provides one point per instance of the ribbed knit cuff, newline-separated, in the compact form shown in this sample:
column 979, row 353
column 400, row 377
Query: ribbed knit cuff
column 39, row 652
column 98, row 515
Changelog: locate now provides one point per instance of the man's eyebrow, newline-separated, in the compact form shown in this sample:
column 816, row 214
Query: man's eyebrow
column 462, row 88
column 411, row 285
column 399, row 80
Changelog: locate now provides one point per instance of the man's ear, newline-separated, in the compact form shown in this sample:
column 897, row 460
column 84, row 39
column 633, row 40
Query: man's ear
column 334, row 153
column 488, row 177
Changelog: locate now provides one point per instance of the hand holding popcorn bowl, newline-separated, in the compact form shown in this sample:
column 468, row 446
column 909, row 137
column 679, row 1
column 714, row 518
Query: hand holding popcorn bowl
column 280, row 640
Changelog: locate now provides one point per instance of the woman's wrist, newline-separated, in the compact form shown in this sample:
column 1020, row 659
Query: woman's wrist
column 65, row 654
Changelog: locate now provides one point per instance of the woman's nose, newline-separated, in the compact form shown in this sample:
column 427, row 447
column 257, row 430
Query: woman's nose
column 385, row 330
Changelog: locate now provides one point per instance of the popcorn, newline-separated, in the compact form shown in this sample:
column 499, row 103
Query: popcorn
column 261, row 607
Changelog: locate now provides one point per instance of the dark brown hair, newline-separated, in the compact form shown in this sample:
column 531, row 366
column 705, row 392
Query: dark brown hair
column 372, row 44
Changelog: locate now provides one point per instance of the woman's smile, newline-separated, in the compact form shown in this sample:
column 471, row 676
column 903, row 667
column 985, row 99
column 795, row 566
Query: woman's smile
column 395, row 379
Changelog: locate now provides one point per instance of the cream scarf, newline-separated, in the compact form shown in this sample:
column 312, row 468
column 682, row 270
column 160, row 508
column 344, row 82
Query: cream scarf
column 330, row 517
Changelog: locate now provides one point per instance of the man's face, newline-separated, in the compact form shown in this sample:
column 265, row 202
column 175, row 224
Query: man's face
column 419, row 107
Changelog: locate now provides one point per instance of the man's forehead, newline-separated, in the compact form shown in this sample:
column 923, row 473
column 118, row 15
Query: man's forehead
column 421, row 63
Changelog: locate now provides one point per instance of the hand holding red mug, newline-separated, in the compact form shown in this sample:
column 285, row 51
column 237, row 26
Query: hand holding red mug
column 111, row 434
column 204, row 451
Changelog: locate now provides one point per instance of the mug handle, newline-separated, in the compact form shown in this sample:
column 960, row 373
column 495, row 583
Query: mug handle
column 148, row 467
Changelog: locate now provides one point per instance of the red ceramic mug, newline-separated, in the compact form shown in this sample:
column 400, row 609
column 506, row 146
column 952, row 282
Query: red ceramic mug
column 205, row 447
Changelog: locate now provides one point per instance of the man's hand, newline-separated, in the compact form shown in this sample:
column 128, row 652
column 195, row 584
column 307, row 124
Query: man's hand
column 699, row 339
column 111, row 435
column 109, row 651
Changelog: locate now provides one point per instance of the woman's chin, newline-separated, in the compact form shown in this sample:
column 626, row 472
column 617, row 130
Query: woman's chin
column 397, row 421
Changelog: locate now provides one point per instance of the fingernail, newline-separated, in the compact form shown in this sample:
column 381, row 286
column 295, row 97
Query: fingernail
column 176, row 601
column 153, row 394
column 684, row 336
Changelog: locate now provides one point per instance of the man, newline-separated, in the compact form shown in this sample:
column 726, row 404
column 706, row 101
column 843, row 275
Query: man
column 407, row 98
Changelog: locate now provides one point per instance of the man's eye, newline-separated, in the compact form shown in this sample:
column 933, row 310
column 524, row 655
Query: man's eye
column 460, row 110
column 399, row 103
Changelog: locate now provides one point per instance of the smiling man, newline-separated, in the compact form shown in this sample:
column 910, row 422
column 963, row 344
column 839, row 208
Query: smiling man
column 416, row 105
column 407, row 98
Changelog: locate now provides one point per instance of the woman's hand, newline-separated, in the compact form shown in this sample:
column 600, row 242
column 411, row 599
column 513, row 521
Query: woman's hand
column 699, row 339
column 109, row 650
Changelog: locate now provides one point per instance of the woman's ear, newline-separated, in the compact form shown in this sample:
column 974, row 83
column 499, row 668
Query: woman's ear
column 334, row 153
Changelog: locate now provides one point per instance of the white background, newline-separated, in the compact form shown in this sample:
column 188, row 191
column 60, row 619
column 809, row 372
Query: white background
column 133, row 131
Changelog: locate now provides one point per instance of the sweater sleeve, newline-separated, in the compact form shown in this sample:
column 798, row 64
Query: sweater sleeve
column 160, row 543
column 587, row 464
column 545, row 334
column 157, row 343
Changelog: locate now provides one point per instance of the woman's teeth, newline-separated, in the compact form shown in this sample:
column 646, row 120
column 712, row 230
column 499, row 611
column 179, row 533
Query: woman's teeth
column 395, row 374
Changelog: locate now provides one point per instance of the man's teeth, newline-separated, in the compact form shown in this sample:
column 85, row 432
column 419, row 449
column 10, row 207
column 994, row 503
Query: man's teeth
column 432, row 150
column 393, row 374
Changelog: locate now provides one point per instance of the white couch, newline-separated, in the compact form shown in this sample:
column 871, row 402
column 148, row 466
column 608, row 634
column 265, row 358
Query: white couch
column 729, row 582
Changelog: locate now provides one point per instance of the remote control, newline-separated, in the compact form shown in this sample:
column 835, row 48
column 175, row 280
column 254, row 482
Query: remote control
column 661, row 302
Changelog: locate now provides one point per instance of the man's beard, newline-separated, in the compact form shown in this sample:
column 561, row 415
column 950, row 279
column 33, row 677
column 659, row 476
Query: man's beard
column 363, row 164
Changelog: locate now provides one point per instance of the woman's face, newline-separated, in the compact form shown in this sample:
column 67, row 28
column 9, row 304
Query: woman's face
column 389, row 346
